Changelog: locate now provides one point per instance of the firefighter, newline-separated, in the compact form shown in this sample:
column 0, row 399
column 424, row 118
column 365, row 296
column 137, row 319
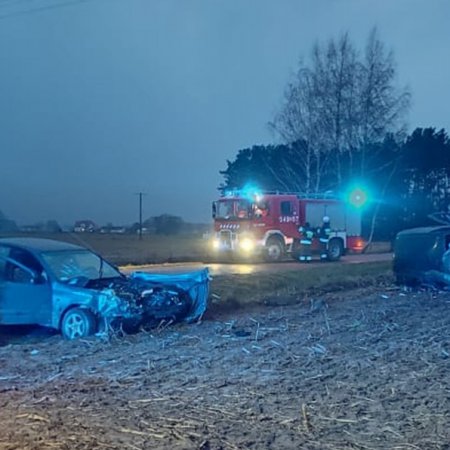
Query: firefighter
column 323, row 233
column 306, row 236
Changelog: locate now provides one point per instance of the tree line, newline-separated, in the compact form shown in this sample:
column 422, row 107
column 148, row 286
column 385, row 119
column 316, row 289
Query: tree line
column 163, row 224
column 342, row 121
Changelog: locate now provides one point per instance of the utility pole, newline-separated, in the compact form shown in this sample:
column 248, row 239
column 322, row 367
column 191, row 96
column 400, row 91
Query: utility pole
column 141, row 194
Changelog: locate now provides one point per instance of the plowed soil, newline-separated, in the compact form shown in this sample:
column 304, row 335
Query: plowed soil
column 362, row 369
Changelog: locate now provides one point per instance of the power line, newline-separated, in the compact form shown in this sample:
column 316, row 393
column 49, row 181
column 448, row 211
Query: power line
column 38, row 9
column 9, row 3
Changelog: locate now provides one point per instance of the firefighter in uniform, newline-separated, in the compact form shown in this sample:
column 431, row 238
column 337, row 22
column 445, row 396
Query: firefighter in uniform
column 306, row 236
column 324, row 235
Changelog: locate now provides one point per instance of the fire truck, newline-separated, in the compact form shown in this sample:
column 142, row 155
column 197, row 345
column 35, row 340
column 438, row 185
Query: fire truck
column 268, row 224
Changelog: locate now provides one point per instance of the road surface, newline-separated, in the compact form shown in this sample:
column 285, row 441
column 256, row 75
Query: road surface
column 249, row 268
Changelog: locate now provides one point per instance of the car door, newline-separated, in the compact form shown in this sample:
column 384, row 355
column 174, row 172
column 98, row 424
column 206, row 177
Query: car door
column 25, row 292
column 289, row 217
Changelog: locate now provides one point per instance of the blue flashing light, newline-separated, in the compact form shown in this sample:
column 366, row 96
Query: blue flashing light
column 250, row 192
column 358, row 197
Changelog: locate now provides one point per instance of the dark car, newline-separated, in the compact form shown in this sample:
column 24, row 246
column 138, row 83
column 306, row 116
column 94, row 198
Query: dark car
column 74, row 290
column 421, row 255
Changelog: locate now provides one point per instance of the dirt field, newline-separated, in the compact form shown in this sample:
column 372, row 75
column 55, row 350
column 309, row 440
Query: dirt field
column 362, row 369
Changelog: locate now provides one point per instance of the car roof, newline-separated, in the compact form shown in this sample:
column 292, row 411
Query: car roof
column 426, row 230
column 39, row 244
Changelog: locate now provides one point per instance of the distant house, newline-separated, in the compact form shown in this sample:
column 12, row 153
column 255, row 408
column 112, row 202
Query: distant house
column 84, row 226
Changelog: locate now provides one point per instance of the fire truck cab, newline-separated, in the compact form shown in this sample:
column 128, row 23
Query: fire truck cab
column 268, row 224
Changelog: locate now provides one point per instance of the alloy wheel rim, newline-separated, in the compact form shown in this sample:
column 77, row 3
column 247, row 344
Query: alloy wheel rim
column 75, row 326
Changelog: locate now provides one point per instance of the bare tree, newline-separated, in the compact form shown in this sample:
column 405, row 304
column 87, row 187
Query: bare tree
column 382, row 106
column 341, row 103
column 337, row 77
column 297, row 121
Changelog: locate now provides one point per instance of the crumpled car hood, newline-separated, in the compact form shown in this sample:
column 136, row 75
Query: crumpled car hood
column 140, row 297
column 194, row 284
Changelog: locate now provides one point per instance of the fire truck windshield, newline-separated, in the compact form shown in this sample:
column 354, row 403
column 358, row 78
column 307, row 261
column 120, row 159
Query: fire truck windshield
column 233, row 209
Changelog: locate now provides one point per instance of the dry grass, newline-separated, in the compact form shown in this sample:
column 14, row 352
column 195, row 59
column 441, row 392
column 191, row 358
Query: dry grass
column 287, row 287
column 128, row 249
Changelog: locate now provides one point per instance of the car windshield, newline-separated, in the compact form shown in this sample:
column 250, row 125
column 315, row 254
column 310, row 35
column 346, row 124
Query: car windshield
column 70, row 264
column 233, row 209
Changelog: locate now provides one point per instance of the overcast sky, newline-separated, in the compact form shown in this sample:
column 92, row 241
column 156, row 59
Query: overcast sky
column 102, row 99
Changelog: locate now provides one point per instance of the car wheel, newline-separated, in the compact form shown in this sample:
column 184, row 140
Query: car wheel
column 335, row 249
column 78, row 323
column 274, row 250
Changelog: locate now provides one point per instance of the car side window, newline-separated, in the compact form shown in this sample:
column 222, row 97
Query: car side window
column 19, row 275
column 22, row 267
column 4, row 253
column 286, row 208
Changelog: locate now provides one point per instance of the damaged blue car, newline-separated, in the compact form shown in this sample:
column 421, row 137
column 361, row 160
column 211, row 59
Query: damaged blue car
column 72, row 289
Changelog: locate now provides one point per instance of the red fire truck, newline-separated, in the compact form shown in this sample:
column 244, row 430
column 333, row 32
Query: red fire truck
column 267, row 224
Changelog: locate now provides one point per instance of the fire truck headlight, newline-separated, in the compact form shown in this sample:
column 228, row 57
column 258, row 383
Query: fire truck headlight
column 247, row 244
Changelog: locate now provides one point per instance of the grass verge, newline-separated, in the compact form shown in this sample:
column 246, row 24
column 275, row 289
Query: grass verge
column 288, row 287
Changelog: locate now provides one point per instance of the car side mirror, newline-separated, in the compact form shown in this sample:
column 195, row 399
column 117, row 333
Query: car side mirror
column 39, row 278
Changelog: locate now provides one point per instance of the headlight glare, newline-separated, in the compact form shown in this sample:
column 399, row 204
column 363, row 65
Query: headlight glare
column 247, row 244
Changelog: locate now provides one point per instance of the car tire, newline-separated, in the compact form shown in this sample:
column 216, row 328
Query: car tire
column 335, row 249
column 78, row 323
column 274, row 249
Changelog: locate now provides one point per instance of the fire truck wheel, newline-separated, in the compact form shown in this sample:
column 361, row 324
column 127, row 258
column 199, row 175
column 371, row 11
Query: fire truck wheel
column 295, row 253
column 335, row 249
column 274, row 249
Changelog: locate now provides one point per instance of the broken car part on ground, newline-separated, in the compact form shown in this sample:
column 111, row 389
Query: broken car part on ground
column 71, row 289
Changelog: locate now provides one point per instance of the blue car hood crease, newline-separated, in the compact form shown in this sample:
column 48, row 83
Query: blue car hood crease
column 195, row 284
